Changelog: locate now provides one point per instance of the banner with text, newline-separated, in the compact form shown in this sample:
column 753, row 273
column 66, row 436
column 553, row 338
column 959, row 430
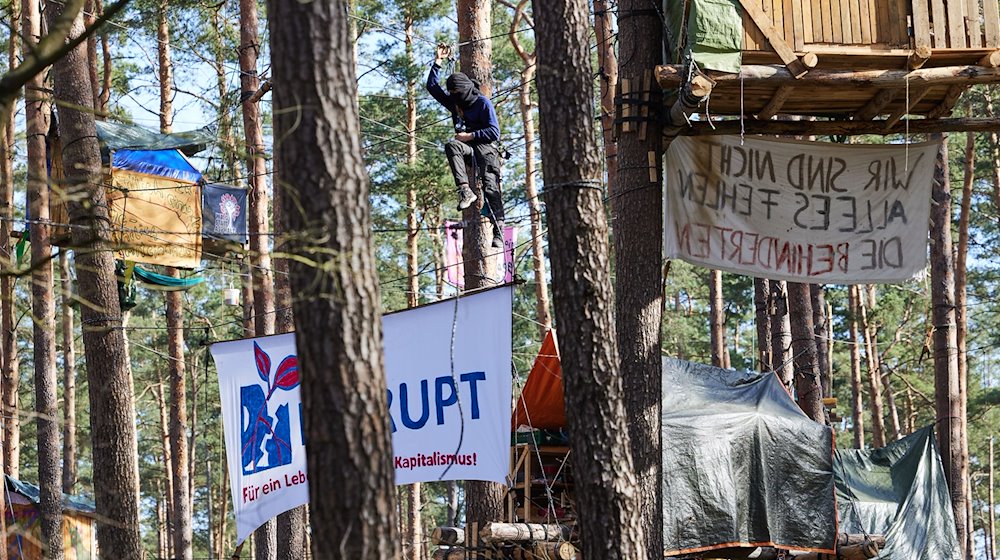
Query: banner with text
column 454, row 272
column 262, row 419
column 447, row 365
column 799, row 211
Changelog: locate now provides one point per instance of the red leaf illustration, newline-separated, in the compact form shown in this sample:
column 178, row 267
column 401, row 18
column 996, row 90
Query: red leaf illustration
column 287, row 376
column 263, row 362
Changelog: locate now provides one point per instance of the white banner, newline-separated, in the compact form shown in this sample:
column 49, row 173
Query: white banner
column 448, row 370
column 262, row 419
column 448, row 367
column 799, row 211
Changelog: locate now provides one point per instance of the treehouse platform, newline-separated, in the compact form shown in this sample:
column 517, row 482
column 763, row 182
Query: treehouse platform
column 856, row 66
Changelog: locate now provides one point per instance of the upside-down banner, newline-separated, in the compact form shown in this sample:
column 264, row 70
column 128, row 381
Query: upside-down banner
column 262, row 419
column 449, row 390
column 799, row 211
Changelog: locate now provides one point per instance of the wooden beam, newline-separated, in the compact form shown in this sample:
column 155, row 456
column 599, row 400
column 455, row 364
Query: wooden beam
column 950, row 99
column 837, row 128
column 991, row 60
column 777, row 100
column 693, row 93
column 921, row 27
column 755, row 75
column 781, row 48
column 918, row 57
column 876, row 104
column 916, row 94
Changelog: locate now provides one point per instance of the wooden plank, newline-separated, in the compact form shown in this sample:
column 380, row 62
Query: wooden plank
column 793, row 26
column 903, row 23
column 846, row 22
column 972, row 28
column 939, row 19
column 785, row 53
column 816, row 9
column 776, row 102
column 950, row 99
column 892, row 23
column 956, row 24
column 644, row 110
column 991, row 21
column 807, row 21
column 825, row 21
column 858, row 37
column 835, row 21
column 921, row 25
column 828, row 128
column 865, row 17
column 671, row 75
column 882, row 35
column 776, row 16
column 909, row 102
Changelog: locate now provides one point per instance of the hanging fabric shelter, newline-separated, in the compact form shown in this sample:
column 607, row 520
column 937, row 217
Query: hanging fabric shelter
column 541, row 403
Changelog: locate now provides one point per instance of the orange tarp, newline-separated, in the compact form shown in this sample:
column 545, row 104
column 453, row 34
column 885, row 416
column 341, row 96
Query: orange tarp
column 541, row 403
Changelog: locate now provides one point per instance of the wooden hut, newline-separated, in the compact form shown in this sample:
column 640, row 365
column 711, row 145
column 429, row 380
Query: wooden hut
column 24, row 530
column 842, row 66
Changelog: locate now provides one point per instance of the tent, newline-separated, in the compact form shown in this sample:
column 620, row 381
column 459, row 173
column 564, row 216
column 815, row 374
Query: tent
column 24, row 531
column 743, row 466
column 541, row 406
column 898, row 491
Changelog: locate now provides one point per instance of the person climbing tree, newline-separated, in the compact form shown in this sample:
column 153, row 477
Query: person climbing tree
column 477, row 138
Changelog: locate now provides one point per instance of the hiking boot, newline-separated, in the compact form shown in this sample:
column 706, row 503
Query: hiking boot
column 497, row 242
column 466, row 197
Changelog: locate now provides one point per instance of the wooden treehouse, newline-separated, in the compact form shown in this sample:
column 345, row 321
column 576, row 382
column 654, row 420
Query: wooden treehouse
column 833, row 66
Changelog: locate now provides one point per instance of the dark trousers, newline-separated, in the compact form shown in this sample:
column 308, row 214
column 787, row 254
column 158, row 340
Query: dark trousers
column 485, row 160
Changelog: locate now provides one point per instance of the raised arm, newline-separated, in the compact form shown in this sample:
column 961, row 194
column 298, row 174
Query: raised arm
column 434, row 86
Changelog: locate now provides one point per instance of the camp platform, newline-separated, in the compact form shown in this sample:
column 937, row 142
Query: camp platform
column 868, row 65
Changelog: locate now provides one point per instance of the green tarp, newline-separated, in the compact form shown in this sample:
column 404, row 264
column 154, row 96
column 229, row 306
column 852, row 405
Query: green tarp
column 117, row 136
column 742, row 465
column 33, row 494
column 713, row 36
column 898, row 491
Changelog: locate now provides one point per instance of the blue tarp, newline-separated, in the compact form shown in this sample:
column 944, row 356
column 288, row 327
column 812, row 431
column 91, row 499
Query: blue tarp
column 166, row 163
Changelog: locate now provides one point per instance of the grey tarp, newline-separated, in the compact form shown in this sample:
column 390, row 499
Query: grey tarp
column 742, row 465
column 898, row 491
column 117, row 136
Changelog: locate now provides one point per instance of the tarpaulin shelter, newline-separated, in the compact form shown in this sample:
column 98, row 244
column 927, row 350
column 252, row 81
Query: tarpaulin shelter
column 898, row 491
column 541, row 405
column 742, row 464
column 24, row 530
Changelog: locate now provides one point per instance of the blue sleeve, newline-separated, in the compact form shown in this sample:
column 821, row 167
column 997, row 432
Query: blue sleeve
column 492, row 132
column 434, row 88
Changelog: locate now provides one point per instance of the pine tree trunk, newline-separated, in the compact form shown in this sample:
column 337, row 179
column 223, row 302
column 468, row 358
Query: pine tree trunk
column 993, row 505
column 781, row 333
column 606, row 487
column 484, row 501
column 765, row 357
column 808, row 388
column 182, row 530
column 69, row 376
column 291, row 525
column 637, row 221
column 821, row 324
column 180, row 500
column 112, row 408
column 961, row 311
column 159, row 395
column 542, row 315
column 413, row 533
column 717, row 318
column 343, row 395
column 8, row 341
column 874, row 386
column 36, row 116
column 857, row 400
column 946, row 382
column 607, row 64
column 265, row 537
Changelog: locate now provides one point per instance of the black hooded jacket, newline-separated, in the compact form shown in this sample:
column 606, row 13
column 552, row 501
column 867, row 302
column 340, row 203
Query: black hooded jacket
column 470, row 109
